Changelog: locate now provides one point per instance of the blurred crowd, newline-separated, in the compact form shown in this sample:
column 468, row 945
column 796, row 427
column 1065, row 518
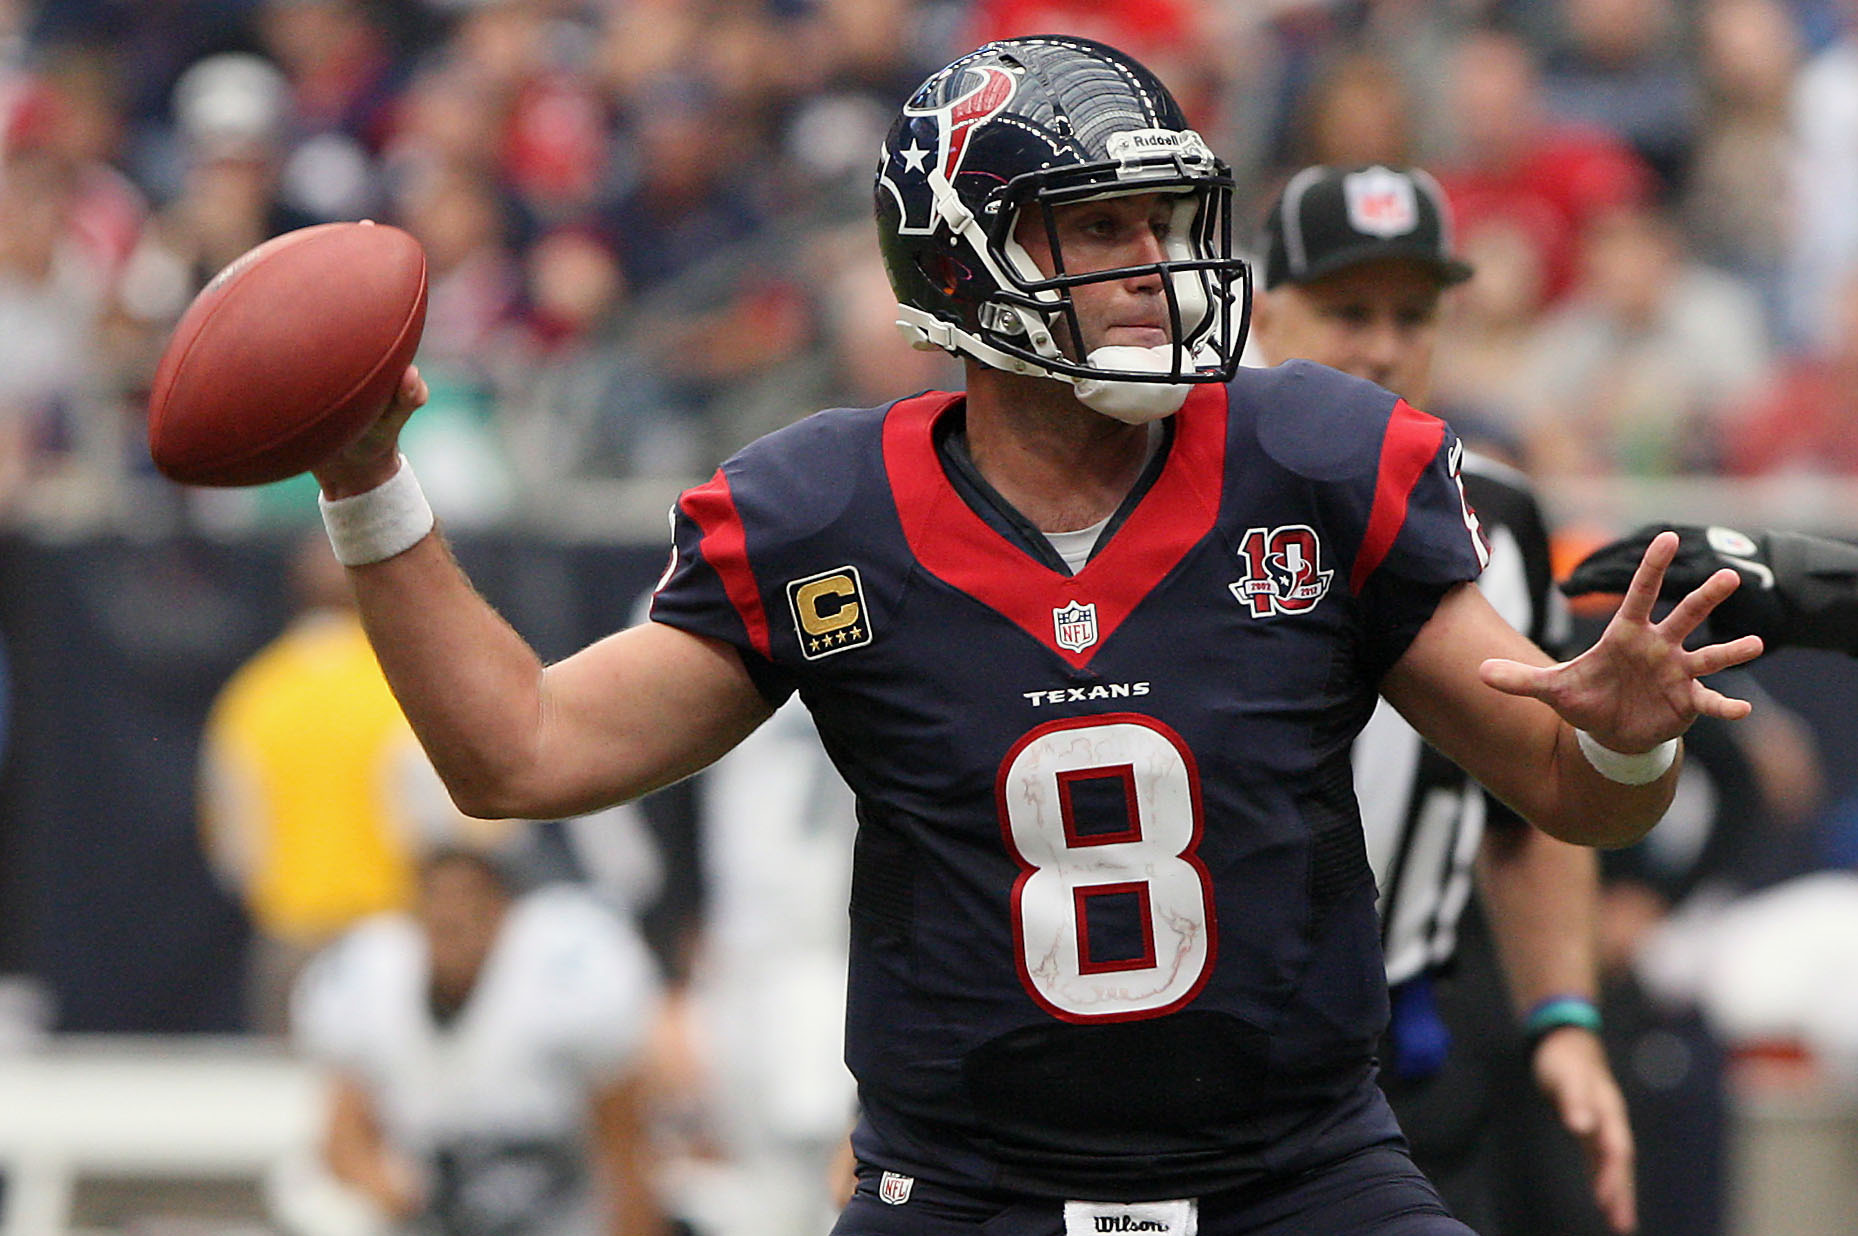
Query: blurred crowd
column 647, row 220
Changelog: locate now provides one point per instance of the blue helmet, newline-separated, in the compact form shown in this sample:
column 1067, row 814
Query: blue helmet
column 1037, row 123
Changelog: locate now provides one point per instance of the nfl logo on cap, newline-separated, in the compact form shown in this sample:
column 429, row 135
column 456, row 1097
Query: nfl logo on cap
column 1380, row 202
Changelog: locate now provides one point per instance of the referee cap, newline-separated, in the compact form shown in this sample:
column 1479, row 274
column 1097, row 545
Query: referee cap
column 1331, row 218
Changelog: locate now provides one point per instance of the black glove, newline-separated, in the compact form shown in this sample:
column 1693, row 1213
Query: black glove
column 1797, row 590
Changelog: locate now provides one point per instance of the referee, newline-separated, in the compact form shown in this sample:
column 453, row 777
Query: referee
column 1492, row 990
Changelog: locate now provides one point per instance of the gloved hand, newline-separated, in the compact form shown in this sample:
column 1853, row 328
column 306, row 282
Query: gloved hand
column 1797, row 590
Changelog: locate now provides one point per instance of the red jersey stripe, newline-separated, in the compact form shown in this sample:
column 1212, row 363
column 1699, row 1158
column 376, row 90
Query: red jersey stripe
column 1412, row 440
column 725, row 547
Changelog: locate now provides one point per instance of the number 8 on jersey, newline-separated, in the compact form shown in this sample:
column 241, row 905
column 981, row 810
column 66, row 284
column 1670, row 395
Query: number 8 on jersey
column 1112, row 914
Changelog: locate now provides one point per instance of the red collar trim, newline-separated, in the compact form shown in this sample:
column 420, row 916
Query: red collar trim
column 958, row 547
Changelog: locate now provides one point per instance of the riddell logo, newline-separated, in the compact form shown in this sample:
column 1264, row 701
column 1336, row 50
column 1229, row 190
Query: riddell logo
column 1134, row 145
column 1128, row 1223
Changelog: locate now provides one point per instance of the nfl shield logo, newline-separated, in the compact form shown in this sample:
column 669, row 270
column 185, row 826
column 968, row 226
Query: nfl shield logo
column 1075, row 626
column 893, row 1188
column 1380, row 203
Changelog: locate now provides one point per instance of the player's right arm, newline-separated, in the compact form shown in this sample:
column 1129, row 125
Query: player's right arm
column 513, row 738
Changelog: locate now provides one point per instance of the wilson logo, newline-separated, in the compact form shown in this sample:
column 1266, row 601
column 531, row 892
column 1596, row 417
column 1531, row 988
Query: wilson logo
column 1173, row 1218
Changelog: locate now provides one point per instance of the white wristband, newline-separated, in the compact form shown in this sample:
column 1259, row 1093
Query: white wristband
column 389, row 519
column 1642, row 768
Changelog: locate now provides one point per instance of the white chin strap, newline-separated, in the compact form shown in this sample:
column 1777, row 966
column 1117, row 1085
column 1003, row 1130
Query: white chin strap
column 1134, row 403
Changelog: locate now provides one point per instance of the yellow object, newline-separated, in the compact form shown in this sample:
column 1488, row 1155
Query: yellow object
column 309, row 766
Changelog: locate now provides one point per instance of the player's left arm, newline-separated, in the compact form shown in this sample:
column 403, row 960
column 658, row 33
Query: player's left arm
column 1492, row 701
column 623, row 1160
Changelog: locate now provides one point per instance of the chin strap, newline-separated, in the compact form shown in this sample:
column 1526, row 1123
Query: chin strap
column 1134, row 403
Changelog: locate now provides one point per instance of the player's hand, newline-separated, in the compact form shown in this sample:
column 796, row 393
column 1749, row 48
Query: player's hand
column 1638, row 685
column 1753, row 609
column 1571, row 1069
column 374, row 457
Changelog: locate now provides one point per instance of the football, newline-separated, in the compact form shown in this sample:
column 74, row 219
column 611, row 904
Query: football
column 288, row 355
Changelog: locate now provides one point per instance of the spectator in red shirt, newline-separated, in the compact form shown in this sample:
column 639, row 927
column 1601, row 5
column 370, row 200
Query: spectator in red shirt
column 1513, row 165
column 1806, row 420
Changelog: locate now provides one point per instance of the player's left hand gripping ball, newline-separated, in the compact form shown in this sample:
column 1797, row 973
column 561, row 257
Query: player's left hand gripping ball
column 288, row 355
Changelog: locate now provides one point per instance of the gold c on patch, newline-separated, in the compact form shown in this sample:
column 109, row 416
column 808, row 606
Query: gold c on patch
column 829, row 611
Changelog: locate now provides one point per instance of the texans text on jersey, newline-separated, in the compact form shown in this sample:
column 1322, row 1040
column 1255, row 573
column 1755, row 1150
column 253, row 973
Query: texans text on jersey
column 1084, row 695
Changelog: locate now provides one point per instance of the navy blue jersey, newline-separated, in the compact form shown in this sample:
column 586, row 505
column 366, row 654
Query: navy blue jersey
column 1113, row 925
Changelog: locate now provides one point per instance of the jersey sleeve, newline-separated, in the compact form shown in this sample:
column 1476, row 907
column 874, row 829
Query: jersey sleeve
column 709, row 588
column 1421, row 537
column 766, row 520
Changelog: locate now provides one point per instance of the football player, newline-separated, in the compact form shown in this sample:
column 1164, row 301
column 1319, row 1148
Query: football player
column 485, row 1058
column 1090, row 642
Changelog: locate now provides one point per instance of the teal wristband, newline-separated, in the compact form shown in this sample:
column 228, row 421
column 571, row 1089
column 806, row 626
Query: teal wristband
column 1557, row 1011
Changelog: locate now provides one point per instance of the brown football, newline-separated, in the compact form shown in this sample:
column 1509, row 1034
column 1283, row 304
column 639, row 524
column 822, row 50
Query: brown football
column 288, row 355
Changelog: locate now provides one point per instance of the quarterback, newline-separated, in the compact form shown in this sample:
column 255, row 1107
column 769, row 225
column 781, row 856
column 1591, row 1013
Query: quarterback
column 1114, row 954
